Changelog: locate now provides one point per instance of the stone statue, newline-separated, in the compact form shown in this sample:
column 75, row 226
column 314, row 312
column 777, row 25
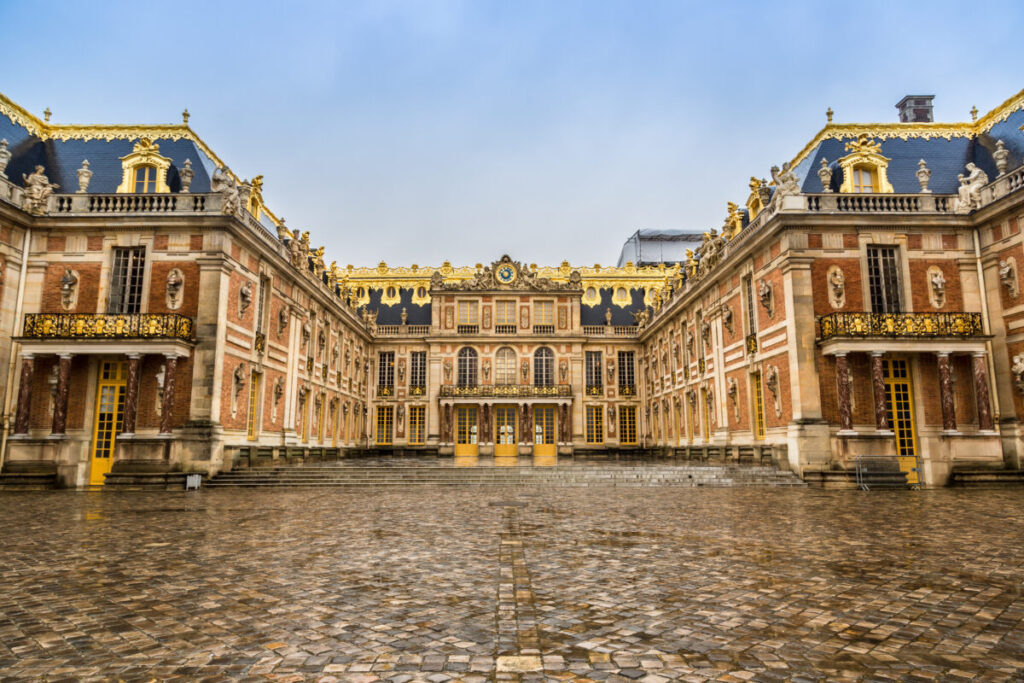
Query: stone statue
column 223, row 183
column 924, row 174
column 175, row 283
column 84, row 176
column 244, row 299
column 611, row 370
column 1018, row 372
column 68, row 285
column 825, row 175
column 563, row 370
column 186, row 174
column 282, row 319
column 436, row 280
column 705, row 333
column 786, row 184
column 611, row 418
column 1001, row 156
column 937, row 281
column 641, row 317
column 837, row 287
column 727, row 318
column 764, row 293
column 771, row 382
column 239, row 379
column 1008, row 276
column 5, row 157
column 969, row 193
column 733, row 390
column 524, row 370
column 447, row 369
column 38, row 190
column 405, row 316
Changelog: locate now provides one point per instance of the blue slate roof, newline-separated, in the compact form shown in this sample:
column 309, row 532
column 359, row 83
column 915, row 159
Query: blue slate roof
column 419, row 314
column 594, row 315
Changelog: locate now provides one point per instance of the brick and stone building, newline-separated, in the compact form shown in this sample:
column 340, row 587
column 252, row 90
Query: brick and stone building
column 156, row 315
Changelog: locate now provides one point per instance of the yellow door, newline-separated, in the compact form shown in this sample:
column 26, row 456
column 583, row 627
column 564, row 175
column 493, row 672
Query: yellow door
column 466, row 431
column 899, row 403
column 505, row 431
column 544, row 430
column 108, row 421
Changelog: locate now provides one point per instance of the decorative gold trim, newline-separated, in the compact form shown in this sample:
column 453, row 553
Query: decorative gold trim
column 864, row 152
column 145, row 153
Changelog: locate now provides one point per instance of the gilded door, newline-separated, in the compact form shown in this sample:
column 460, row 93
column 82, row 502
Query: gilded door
column 899, row 403
column 466, row 431
column 504, row 430
column 544, row 436
column 108, row 421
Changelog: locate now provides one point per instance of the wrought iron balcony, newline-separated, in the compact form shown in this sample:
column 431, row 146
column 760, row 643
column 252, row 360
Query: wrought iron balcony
column 386, row 390
column 752, row 343
column 501, row 390
column 627, row 390
column 417, row 390
column 595, row 390
column 111, row 326
column 895, row 325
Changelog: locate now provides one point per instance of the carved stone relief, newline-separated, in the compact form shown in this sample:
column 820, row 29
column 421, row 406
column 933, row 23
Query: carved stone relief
column 727, row 319
column 237, row 385
column 771, row 381
column 447, row 369
column 244, row 299
column 1018, row 372
column 69, row 289
column 563, row 371
column 969, row 192
column 764, row 294
column 278, row 394
column 733, row 391
column 1008, row 276
column 175, row 289
column 936, row 287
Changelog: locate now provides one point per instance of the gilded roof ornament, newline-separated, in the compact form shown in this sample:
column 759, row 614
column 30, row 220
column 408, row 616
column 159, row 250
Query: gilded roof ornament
column 46, row 114
column 184, row 116
column 828, row 115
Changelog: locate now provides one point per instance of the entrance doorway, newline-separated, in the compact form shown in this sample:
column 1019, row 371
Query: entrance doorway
column 107, row 425
column 505, row 431
column 466, row 431
column 544, row 436
column 899, row 404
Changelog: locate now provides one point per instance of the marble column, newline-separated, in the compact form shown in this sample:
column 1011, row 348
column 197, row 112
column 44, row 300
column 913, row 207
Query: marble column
column 167, row 404
column 946, row 394
column 878, row 381
column 24, row 394
column 843, row 393
column 131, row 395
column 60, row 402
column 981, row 392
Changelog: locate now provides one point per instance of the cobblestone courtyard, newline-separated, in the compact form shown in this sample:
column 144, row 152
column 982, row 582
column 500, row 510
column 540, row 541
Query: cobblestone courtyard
column 445, row 584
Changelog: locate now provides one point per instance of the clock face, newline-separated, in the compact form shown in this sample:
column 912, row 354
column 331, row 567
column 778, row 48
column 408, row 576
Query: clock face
column 506, row 274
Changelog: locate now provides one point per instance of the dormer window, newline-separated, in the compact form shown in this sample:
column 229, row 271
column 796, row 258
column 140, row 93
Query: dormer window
column 864, row 179
column 145, row 179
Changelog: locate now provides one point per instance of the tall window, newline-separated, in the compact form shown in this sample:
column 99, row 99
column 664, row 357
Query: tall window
column 467, row 317
column 627, row 379
column 505, row 317
column 505, row 366
column 883, row 280
column 758, row 405
column 467, row 367
column 261, row 303
column 748, row 292
column 252, row 419
column 593, row 370
column 544, row 317
column 386, row 369
column 385, row 420
column 126, row 280
column 418, row 370
column 543, row 367
column 417, row 425
column 627, row 425
column 863, row 179
column 145, row 179
column 595, row 424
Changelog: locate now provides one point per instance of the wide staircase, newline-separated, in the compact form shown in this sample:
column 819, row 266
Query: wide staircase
column 356, row 476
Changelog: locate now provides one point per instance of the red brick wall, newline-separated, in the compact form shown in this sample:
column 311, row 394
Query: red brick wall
column 785, row 401
column 226, row 389
column 158, row 287
column 88, row 288
column 920, row 285
column 742, row 400
column 820, row 285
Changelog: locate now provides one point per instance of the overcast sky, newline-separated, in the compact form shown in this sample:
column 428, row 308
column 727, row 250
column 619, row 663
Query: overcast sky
column 422, row 131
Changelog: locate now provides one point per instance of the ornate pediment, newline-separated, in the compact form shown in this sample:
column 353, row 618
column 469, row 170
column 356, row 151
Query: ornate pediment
column 506, row 274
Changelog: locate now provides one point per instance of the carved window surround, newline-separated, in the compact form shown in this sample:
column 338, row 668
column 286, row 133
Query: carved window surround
column 145, row 153
column 865, row 154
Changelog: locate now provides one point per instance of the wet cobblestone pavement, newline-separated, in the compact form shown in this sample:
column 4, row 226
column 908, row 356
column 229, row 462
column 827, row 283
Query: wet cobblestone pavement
column 477, row 584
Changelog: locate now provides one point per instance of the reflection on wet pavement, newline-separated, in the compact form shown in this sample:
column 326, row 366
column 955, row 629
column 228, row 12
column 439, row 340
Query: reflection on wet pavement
column 440, row 584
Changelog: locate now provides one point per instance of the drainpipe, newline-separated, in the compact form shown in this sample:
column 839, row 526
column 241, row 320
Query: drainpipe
column 12, row 364
column 986, row 328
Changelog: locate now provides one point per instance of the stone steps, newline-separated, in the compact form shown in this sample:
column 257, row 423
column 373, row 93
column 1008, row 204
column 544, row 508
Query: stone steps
column 27, row 481
column 986, row 478
column 570, row 476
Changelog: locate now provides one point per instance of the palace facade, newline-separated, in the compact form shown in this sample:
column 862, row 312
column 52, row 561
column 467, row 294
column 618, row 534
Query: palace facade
column 156, row 316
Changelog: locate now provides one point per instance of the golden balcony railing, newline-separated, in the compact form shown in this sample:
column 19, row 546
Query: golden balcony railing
column 909, row 325
column 751, row 343
column 110, row 326
column 502, row 390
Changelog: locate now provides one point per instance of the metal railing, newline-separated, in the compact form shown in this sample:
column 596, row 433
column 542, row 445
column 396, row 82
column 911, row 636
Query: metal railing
column 955, row 324
column 499, row 390
column 110, row 326
column 888, row 471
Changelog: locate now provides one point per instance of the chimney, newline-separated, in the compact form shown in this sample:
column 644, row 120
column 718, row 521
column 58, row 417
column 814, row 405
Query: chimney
column 916, row 109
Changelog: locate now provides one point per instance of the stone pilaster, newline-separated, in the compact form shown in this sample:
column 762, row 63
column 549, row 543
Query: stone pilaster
column 167, row 406
column 24, row 394
column 946, row 394
column 60, row 402
column 878, row 382
column 981, row 392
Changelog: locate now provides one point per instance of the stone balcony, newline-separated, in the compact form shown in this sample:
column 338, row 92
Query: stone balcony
column 109, row 326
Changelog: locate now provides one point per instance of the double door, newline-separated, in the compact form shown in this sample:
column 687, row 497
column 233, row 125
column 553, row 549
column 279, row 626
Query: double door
column 544, row 430
column 113, row 378
column 466, row 429
column 505, row 431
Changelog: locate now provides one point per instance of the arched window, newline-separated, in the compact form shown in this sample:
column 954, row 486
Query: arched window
column 505, row 366
column 543, row 367
column 864, row 179
column 467, row 367
column 145, row 179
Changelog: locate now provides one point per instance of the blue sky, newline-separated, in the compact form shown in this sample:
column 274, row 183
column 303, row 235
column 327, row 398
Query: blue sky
column 422, row 131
